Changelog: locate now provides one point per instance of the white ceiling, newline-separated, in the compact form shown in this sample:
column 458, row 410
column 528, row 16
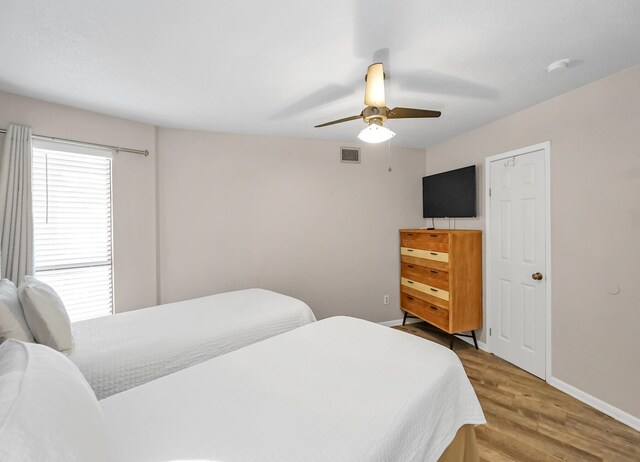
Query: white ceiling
column 280, row 67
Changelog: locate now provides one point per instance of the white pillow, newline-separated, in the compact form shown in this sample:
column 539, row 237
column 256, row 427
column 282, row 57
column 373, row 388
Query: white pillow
column 12, row 321
column 46, row 315
column 47, row 409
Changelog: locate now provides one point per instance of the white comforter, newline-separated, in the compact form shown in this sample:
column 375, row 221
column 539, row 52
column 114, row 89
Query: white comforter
column 119, row 352
column 341, row 389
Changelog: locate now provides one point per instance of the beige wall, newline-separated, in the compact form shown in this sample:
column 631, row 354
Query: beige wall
column 240, row 211
column 595, row 212
column 134, row 244
column 284, row 214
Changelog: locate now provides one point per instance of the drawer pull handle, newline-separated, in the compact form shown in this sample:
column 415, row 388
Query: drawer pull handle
column 434, row 290
column 434, row 271
column 433, row 253
column 409, row 297
column 410, row 282
column 433, row 307
column 434, row 235
column 409, row 250
column 409, row 266
column 409, row 234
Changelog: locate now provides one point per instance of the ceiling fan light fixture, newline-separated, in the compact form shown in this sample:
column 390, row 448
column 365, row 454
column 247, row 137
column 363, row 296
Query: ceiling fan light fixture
column 375, row 133
column 374, row 89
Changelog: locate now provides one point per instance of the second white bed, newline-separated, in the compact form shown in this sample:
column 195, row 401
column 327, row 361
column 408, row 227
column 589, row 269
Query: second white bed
column 341, row 389
column 125, row 350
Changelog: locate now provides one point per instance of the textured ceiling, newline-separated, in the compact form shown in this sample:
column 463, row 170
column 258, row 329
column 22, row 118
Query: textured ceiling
column 280, row 67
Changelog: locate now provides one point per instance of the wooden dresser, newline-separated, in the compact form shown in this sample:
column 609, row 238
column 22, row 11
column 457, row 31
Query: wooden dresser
column 441, row 278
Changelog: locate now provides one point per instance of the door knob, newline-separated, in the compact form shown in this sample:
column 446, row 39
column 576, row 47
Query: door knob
column 536, row 276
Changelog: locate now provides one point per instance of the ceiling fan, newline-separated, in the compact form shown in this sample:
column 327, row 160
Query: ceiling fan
column 376, row 112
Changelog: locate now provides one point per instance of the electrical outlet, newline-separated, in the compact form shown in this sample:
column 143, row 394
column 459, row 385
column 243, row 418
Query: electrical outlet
column 386, row 299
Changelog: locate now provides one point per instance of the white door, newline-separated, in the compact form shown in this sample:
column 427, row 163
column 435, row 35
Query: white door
column 518, row 243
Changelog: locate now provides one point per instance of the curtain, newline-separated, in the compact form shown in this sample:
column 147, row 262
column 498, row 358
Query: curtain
column 16, row 209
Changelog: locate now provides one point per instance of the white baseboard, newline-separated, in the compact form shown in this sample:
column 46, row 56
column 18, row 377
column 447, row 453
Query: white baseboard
column 481, row 345
column 606, row 408
column 611, row 411
column 398, row 322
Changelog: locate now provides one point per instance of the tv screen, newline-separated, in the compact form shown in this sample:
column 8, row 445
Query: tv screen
column 450, row 194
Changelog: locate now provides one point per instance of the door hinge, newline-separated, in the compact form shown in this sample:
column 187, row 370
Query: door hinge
column 489, row 192
column 489, row 331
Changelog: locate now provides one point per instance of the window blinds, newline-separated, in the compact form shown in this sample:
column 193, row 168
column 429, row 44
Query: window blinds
column 72, row 229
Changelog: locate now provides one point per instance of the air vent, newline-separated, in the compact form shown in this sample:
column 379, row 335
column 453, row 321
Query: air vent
column 350, row 155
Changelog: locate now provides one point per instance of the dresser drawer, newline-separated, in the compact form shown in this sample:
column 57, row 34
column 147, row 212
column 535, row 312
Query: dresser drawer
column 431, row 313
column 430, row 276
column 425, row 288
column 425, row 297
column 427, row 254
column 425, row 241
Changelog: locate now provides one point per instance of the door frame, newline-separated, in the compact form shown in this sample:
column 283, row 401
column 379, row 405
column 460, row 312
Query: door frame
column 546, row 147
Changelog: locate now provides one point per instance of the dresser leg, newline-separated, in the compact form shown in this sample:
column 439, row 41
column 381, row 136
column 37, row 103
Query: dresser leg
column 404, row 320
column 451, row 341
column 475, row 341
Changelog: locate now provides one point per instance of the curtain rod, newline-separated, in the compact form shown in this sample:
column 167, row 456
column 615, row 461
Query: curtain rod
column 143, row 152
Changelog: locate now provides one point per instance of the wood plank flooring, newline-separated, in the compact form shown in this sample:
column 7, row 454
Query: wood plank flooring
column 530, row 421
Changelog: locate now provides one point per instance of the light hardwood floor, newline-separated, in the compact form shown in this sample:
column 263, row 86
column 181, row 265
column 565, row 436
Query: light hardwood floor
column 529, row 420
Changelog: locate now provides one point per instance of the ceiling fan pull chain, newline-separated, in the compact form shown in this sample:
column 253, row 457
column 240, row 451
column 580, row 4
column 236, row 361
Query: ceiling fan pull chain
column 389, row 169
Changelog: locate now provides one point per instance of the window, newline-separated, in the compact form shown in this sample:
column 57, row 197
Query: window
column 72, row 226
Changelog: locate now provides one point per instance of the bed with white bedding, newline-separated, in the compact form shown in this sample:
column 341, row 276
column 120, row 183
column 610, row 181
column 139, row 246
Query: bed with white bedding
column 125, row 350
column 341, row 389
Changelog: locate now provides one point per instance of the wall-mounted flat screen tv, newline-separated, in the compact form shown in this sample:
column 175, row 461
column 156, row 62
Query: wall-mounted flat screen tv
column 450, row 194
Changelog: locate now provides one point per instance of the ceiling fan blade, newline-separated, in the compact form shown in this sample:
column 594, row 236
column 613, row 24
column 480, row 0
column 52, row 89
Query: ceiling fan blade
column 374, row 91
column 409, row 113
column 339, row 121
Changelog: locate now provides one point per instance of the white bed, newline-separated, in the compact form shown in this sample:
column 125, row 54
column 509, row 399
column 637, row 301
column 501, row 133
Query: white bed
column 340, row 389
column 125, row 350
